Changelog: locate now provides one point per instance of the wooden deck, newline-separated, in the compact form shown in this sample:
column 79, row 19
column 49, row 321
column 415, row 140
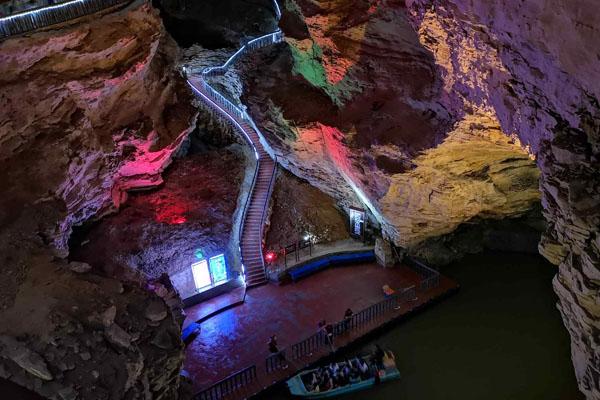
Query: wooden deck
column 237, row 338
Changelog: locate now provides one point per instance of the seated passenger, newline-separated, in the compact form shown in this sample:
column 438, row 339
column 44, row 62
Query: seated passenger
column 389, row 360
column 327, row 385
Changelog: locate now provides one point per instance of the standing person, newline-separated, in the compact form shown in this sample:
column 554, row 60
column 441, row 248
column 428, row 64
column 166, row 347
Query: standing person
column 379, row 354
column 329, row 333
column 273, row 349
column 347, row 318
column 321, row 324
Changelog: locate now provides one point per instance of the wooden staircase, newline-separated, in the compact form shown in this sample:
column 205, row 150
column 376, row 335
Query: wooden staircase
column 251, row 230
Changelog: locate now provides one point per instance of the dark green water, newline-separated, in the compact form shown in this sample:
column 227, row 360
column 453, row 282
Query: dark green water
column 501, row 337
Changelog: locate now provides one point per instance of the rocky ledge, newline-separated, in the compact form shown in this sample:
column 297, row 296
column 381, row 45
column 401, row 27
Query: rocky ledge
column 88, row 112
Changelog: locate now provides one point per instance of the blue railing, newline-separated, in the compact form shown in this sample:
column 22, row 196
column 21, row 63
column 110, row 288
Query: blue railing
column 48, row 15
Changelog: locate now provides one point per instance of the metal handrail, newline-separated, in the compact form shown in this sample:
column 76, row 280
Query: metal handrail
column 275, row 361
column 245, row 212
column 40, row 17
column 430, row 275
column 228, row 385
column 255, row 43
column 264, row 210
column 317, row 340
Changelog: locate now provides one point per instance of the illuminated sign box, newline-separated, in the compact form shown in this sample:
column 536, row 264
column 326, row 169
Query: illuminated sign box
column 357, row 222
column 209, row 272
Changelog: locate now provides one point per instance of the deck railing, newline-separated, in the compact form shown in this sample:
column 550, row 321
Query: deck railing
column 256, row 43
column 314, row 342
column 431, row 277
column 228, row 385
column 296, row 249
column 308, row 346
column 275, row 361
column 52, row 14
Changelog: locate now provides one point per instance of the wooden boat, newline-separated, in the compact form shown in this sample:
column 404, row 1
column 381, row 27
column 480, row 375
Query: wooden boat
column 298, row 387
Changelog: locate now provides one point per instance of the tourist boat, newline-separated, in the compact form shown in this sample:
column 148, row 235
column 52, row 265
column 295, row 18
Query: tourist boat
column 298, row 387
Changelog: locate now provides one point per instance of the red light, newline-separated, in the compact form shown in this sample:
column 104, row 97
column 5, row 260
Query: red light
column 270, row 256
column 179, row 220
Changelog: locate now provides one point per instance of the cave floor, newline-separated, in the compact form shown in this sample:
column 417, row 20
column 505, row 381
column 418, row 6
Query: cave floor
column 237, row 338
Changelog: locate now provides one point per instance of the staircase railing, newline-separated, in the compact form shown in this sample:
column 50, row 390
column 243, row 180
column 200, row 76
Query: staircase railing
column 256, row 43
column 48, row 15
column 231, row 110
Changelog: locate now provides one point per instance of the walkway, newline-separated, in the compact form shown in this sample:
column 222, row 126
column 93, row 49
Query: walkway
column 237, row 338
column 260, row 193
column 318, row 250
column 46, row 14
column 255, row 210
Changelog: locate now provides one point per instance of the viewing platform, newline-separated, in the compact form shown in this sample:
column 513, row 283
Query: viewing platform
column 234, row 342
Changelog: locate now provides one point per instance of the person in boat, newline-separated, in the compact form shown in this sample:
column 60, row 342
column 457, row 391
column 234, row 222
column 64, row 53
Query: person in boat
column 327, row 383
column 389, row 360
column 334, row 367
column 354, row 374
column 379, row 354
column 363, row 368
column 375, row 372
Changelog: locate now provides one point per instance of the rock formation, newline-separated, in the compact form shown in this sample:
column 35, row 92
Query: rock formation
column 356, row 105
column 157, row 232
column 437, row 113
column 300, row 209
column 533, row 65
column 433, row 114
column 88, row 112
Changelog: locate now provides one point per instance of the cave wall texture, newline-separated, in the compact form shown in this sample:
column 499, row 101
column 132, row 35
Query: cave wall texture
column 88, row 112
column 439, row 113
column 447, row 112
column 534, row 65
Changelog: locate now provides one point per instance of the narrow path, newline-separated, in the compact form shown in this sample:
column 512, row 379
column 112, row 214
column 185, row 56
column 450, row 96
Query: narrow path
column 254, row 213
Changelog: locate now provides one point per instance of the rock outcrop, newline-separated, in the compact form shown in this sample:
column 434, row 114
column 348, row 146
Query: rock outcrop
column 356, row 105
column 88, row 112
column 533, row 65
column 300, row 209
column 159, row 231
column 436, row 113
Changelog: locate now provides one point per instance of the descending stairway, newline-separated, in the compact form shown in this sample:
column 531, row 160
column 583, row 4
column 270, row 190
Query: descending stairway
column 251, row 230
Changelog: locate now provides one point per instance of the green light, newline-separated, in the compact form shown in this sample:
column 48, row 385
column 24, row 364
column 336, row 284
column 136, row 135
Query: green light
column 199, row 254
